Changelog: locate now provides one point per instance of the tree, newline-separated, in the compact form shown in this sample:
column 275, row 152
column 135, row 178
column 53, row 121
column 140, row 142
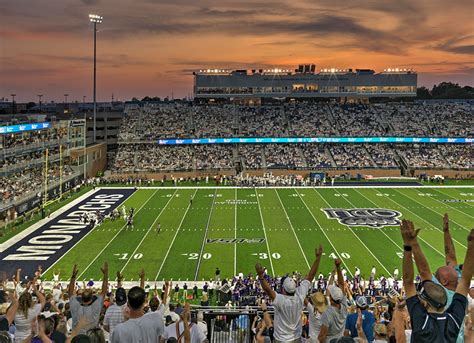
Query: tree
column 423, row 93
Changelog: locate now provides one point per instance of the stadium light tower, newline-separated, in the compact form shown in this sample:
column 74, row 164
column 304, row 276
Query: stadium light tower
column 13, row 102
column 40, row 96
column 95, row 19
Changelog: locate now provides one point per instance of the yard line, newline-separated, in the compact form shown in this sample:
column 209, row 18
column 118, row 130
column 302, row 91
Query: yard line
column 100, row 253
column 291, row 225
column 264, row 232
column 350, row 202
column 176, row 234
column 444, row 193
column 324, row 233
column 357, row 236
column 425, row 219
column 454, row 208
column 150, row 229
column 235, row 234
column 432, row 247
column 205, row 235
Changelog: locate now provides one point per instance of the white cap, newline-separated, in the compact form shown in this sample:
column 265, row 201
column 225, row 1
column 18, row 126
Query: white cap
column 336, row 293
column 289, row 285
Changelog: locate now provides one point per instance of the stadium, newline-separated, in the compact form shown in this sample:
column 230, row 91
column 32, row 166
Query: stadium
column 273, row 204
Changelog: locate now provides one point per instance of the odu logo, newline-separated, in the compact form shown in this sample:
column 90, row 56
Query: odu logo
column 374, row 217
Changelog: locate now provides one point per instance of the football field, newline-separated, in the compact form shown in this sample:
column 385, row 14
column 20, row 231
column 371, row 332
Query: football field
column 234, row 228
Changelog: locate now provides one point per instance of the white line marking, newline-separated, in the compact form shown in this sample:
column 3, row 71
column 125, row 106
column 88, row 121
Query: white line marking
column 360, row 240
column 425, row 219
column 150, row 229
column 176, row 234
column 324, row 233
column 235, row 234
column 205, row 236
column 292, row 228
column 432, row 247
column 265, row 233
column 110, row 241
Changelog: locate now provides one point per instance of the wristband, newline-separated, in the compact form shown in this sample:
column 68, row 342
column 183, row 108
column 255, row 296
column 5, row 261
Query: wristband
column 407, row 247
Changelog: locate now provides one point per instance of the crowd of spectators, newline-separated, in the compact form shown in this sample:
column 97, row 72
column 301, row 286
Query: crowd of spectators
column 30, row 181
column 252, row 156
column 262, row 122
column 354, row 156
column 364, row 306
column 213, row 157
column 423, row 156
column 284, row 156
column 301, row 119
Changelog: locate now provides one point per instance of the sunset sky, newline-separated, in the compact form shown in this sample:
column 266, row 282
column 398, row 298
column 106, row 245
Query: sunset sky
column 150, row 47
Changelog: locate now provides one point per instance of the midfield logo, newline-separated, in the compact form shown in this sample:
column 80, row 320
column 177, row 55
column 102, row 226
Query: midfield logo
column 235, row 240
column 373, row 217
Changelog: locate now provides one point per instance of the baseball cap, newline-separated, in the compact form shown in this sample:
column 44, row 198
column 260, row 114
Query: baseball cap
column 120, row 296
column 319, row 301
column 289, row 285
column 361, row 302
column 336, row 293
column 380, row 329
column 168, row 320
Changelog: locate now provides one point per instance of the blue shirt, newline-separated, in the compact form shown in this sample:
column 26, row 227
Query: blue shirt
column 368, row 322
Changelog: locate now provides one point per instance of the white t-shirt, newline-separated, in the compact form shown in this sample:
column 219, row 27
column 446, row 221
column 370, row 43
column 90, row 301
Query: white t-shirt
column 56, row 294
column 23, row 325
column 287, row 323
column 314, row 321
column 197, row 335
column 146, row 329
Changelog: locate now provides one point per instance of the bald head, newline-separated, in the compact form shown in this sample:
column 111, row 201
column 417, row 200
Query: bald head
column 448, row 277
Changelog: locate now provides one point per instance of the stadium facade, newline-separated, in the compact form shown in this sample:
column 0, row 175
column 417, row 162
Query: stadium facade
column 303, row 83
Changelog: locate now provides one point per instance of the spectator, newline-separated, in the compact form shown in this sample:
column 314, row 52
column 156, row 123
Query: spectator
column 368, row 320
column 28, row 310
column 88, row 305
column 139, row 327
column 430, row 321
column 115, row 312
column 334, row 318
column 316, row 307
column 289, row 304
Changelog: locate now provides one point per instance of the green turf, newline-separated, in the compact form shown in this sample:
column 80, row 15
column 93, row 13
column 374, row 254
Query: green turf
column 289, row 221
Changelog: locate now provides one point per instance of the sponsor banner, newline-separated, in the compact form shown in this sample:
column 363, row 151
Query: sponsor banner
column 372, row 217
column 51, row 241
column 290, row 140
column 53, row 193
column 235, row 240
column 24, row 127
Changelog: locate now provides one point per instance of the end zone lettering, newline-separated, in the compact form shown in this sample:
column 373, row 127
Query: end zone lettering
column 52, row 240
column 373, row 217
column 235, row 240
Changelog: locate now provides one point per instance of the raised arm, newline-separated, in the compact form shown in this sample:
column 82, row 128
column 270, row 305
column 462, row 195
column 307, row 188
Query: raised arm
column 142, row 278
column 449, row 251
column 468, row 267
column 409, row 235
column 315, row 266
column 266, row 316
column 340, row 278
column 119, row 279
column 10, row 315
column 408, row 271
column 72, row 282
column 165, row 294
column 39, row 295
column 266, row 287
column 105, row 282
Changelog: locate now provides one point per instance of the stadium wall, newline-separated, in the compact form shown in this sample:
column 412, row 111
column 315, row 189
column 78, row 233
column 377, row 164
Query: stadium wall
column 450, row 173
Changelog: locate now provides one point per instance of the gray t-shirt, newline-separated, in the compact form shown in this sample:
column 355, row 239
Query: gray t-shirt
column 146, row 329
column 91, row 312
column 335, row 319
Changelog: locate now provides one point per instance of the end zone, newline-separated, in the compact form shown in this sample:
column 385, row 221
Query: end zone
column 46, row 243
